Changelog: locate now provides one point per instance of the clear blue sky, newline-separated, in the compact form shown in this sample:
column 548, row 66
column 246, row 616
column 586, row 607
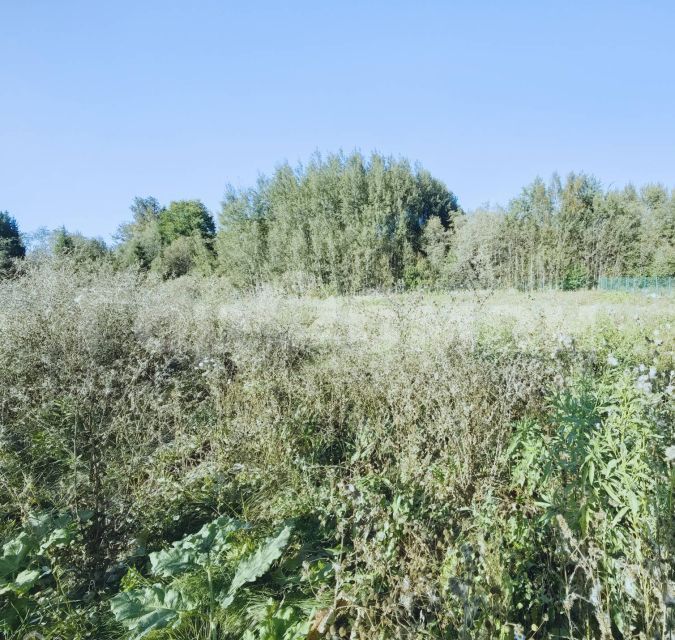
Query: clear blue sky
column 103, row 101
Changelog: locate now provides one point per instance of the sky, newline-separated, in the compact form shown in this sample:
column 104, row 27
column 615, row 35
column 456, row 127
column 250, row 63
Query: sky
column 104, row 101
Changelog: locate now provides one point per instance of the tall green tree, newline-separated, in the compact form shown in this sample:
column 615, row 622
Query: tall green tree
column 140, row 241
column 580, row 194
column 171, row 240
column 77, row 246
column 11, row 244
column 658, row 222
column 184, row 218
column 346, row 223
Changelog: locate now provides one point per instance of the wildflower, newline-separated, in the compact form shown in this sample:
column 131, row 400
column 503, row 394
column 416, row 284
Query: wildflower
column 670, row 453
column 595, row 593
column 612, row 361
column 564, row 528
column 629, row 584
column 643, row 384
column 565, row 340
column 652, row 373
column 406, row 601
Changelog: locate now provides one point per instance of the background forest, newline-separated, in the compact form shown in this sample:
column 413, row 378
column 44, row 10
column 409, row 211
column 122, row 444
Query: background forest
column 349, row 223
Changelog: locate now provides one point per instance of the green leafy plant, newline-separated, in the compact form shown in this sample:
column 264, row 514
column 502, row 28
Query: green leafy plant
column 597, row 477
column 27, row 566
column 142, row 610
column 576, row 277
column 278, row 622
column 196, row 550
column 256, row 565
column 155, row 607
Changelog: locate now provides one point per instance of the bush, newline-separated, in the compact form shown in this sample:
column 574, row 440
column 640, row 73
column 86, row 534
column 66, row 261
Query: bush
column 576, row 277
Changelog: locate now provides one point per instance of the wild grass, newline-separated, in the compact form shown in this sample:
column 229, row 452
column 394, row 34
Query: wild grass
column 461, row 465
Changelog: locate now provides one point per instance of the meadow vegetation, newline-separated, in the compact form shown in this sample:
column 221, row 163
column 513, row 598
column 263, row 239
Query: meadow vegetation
column 182, row 458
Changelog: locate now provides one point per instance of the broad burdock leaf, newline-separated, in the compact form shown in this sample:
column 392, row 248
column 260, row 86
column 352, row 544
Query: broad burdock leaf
column 25, row 580
column 256, row 565
column 155, row 607
column 173, row 562
column 19, row 553
column 195, row 550
column 14, row 552
column 58, row 537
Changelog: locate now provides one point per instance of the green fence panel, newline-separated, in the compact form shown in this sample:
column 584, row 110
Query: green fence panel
column 655, row 284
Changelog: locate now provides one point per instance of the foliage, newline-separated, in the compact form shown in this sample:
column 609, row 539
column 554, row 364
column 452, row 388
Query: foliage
column 250, row 569
column 453, row 465
column 194, row 550
column 76, row 246
column 344, row 224
column 145, row 609
column 150, row 608
column 347, row 222
column 186, row 254
column 28, row 570
column 173, row 240
column 567, row 234
column 11, row 245
column 185, row 218
column 576, row 277
column 595, row 481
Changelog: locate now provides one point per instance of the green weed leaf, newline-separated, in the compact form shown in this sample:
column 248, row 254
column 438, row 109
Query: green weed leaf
column 58, row 537
column 13, row 554
column 194, row 550
column 25, row 580
column 155, row 607
column 256, row 565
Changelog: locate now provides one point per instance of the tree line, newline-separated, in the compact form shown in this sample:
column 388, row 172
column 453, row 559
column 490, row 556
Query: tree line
column 569, row 234
column 349, row 223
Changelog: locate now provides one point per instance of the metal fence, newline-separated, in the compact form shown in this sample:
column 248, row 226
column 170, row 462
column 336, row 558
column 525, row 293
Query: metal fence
column 655, row 284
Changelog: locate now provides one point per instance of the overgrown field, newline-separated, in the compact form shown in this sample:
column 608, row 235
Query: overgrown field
column 182, row 461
